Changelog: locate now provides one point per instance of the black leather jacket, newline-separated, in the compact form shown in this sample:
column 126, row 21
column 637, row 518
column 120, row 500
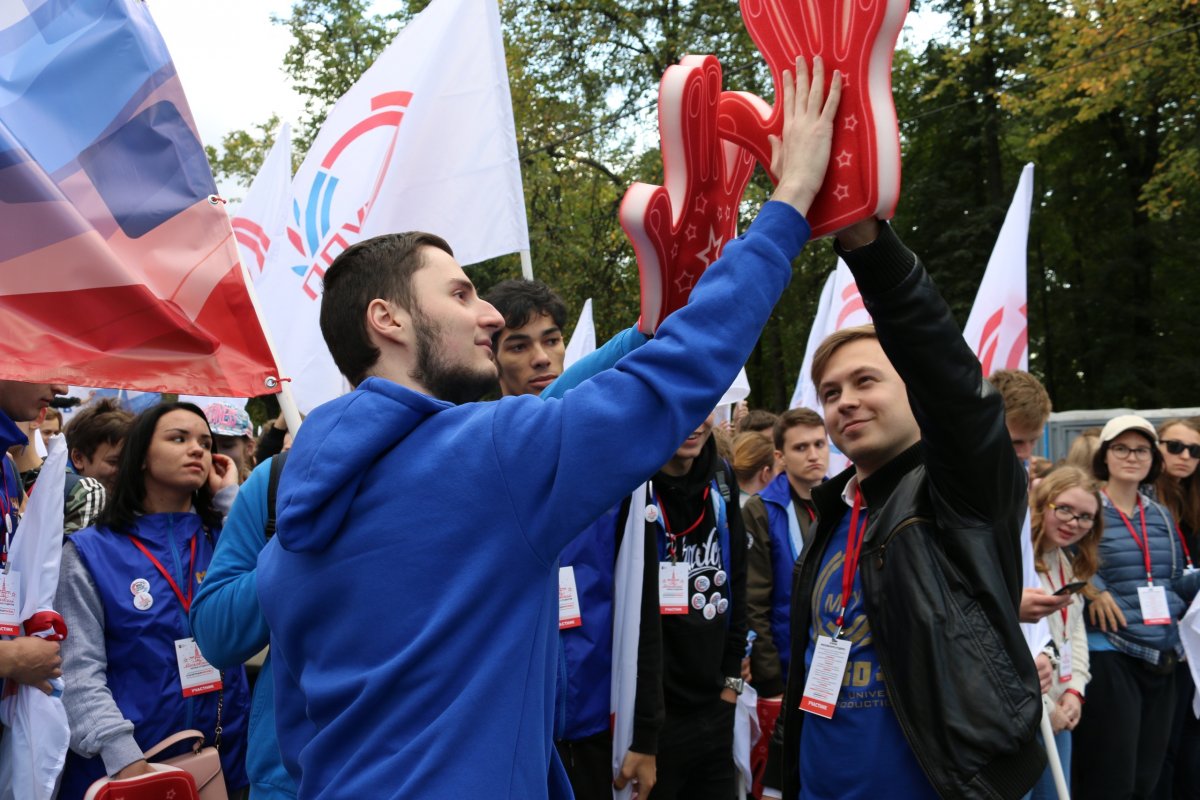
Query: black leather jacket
column 941, row 562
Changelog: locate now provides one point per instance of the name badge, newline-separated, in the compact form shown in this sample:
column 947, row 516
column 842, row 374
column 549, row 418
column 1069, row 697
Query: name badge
column 569, row 615
column 824, row 681
column 672, row 588
column 10, row 603
column 196, row 675
column 1155, row 610
column 1064, row 662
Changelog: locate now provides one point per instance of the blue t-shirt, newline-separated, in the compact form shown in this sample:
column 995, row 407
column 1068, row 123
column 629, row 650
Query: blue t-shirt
column 861, row 752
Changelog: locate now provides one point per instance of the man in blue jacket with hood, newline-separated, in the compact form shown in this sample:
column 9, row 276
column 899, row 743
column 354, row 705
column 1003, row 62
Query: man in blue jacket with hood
column 411, row 589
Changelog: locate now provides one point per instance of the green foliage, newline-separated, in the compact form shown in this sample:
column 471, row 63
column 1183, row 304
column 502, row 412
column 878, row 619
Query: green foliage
column 1100, row 95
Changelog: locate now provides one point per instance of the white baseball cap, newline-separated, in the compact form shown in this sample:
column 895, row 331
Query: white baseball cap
column 1127, row 422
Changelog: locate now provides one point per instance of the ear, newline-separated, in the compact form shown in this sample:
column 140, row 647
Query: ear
column 388, row 321
column 76, row 457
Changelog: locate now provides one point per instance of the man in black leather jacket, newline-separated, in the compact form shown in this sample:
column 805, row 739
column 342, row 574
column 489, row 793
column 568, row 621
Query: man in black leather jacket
column 939, row 696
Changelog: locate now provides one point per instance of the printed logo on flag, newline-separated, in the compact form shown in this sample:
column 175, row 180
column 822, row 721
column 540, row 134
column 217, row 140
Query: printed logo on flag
column 989, row 341
column 312, row 231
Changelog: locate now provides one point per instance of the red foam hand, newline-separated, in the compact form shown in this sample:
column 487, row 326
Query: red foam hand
column 679, row 229
column 858, row 38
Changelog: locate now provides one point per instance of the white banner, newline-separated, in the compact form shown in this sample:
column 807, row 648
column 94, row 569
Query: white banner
column 425, row 141
column 627, row 625
column 261, row 219
column 998, row 328
column 841, row 306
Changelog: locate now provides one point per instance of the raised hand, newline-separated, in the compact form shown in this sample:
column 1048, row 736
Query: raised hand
column 855, row 38
column 800, row 157
column 677, row 230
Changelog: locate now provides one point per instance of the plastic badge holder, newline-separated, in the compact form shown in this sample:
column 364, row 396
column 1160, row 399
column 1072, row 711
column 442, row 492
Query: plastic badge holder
column 677, row 230
column 857, row 37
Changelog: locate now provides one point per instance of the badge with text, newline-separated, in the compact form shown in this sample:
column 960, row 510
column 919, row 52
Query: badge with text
column 1064, row 662
column 569, row 615
column 672, row 588
column 1155, row 610
column 10, row 603
column 824, row 681
column 196, row 675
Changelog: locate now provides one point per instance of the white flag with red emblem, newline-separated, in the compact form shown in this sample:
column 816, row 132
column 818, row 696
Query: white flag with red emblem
column 998, row 328
column 262, row 217
column 841, row 306
column 424, row 141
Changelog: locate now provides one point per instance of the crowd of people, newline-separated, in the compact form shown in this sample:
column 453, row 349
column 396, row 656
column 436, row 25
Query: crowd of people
column 443, row 584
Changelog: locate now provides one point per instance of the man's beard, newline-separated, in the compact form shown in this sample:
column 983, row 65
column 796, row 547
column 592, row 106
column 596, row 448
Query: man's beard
column 454, row 383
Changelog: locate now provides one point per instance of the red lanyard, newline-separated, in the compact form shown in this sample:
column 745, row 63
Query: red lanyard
column 674, row 537
column 186, row 602
column 812, row 515
column 854, row 541
column 1143, row 543
column 1187, row 554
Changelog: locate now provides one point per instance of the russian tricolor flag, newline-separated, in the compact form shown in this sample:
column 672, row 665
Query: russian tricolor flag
column 118, row 266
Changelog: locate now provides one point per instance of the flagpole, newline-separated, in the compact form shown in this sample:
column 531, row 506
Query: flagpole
column 287, row 402
column 526, row 265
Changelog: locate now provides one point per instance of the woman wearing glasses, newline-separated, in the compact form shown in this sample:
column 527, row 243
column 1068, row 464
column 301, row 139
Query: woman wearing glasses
column 1141, row 590
column 1178, row 488
column 1066, row 527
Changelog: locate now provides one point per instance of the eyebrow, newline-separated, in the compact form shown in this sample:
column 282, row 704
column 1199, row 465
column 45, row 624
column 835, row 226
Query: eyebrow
column 853, row 374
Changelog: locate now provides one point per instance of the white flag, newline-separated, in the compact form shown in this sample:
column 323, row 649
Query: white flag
column 425, row 141
column 261, row 219
column 34, row 748
column 998, row 328
column 627, row 626
column 583, row 339
column 841, row 306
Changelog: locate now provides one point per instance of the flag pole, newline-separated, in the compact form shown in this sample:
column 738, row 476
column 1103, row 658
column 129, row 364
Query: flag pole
column 287, row 402
column 526, row 265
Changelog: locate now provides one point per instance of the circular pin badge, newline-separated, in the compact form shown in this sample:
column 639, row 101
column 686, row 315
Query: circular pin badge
column 698, row 601
column 710, row 611
column 719, row 578
column 702, row 583
column 717, row 598
column 139, row 586
column 722, row 606
column 652, row 513
column 142, row 601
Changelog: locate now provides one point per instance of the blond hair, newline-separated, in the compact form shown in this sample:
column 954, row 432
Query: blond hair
column 834, row 342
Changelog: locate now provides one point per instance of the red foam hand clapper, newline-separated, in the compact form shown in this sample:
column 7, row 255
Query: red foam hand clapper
column 858, row 38
column 677, row 230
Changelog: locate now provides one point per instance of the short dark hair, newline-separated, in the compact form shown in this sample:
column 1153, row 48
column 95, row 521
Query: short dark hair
column 127, row 501
column 795, row 418
column 519, row 301
column 379, row 268
column 834, row 342
column 101, row 422
column 1100, row 462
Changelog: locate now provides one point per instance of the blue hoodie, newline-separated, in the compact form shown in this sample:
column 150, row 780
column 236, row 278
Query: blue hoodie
column 230, row 629
column 411, row 589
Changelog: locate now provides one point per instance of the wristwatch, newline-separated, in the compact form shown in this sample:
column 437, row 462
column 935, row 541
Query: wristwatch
column 737, row 684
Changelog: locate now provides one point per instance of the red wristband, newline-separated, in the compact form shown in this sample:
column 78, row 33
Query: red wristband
column 1078, row 694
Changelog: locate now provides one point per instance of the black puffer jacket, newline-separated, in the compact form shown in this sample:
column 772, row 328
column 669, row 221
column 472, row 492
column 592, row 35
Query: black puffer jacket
column 941, row 563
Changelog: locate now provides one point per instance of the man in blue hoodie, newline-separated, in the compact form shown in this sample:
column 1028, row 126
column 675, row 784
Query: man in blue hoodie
column 411, row 590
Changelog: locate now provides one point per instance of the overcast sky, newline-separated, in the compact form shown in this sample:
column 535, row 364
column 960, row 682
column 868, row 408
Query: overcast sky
column 229, row 56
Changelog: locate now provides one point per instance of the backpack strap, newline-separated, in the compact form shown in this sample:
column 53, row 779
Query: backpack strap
column 723, row 480
column 273, row 490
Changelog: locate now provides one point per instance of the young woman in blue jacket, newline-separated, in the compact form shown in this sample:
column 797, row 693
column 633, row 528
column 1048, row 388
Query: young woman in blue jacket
column 1143, row 587
column 133, row 672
